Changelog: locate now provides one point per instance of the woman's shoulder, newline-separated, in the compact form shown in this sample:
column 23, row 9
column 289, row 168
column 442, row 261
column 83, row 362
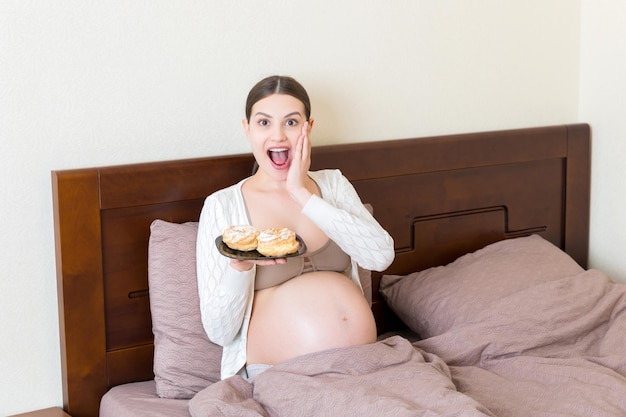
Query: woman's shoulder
column 227, row 196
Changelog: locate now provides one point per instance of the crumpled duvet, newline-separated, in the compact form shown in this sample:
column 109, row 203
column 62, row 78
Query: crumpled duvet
column 386, row 378
column 555, row 349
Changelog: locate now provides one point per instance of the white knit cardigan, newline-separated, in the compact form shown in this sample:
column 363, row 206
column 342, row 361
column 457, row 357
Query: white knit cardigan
column 226, row 295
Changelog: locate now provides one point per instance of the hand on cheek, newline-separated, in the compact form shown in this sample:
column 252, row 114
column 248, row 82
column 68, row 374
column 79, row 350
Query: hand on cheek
column 300, row 165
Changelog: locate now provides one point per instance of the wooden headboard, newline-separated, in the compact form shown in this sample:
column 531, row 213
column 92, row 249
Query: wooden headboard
column 439, row 197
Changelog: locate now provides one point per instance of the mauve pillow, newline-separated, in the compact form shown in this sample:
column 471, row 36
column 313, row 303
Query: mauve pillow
column 435, row 300
column 185, row 360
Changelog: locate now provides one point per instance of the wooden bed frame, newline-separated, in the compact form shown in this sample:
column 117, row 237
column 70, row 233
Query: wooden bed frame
column 439, row 197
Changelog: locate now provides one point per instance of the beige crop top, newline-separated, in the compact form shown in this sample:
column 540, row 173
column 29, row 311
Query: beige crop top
column 329, row 257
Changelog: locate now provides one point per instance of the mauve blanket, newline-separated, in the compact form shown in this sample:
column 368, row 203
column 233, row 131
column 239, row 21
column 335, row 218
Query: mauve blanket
column 386, row 378
column 555, row 349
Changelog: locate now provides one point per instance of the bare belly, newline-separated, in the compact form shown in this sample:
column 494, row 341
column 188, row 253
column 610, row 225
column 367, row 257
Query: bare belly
column 313, row 312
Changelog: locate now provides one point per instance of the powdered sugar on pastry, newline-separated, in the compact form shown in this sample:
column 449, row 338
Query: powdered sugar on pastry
column 277, row 242
column 241, row 237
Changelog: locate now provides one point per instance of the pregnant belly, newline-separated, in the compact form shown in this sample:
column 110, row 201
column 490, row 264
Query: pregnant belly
column 313, row 312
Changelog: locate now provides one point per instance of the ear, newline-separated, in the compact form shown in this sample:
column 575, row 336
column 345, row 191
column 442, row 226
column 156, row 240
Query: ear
column 311, row 121
column 246, row 127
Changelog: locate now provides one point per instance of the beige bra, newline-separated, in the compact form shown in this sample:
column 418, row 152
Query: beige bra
column 329, row 257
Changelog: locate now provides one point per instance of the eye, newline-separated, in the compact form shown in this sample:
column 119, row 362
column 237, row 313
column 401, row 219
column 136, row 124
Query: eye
column 291, row 122
column 263, row 122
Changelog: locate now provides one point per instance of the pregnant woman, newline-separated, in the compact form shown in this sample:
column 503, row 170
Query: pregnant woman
column 267, row 311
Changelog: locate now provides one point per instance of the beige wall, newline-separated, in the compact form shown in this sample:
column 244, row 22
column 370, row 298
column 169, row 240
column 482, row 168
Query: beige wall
column 603, row 105
column 89, row 82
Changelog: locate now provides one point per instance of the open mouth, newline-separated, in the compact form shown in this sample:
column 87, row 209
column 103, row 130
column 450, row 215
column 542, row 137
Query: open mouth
column 278, row 156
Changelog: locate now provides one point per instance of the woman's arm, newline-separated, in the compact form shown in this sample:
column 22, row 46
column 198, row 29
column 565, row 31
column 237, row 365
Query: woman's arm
column 224, row 292
column 344, row 218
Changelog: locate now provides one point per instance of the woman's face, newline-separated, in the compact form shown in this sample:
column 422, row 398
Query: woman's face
column 275, row 124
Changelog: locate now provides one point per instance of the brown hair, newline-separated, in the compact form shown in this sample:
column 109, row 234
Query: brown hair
column 278, row 84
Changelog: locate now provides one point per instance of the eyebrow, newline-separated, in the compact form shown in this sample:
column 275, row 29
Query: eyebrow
column 286, row 116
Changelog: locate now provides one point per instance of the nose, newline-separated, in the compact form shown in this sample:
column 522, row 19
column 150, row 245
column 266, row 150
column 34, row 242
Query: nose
column 278, row 133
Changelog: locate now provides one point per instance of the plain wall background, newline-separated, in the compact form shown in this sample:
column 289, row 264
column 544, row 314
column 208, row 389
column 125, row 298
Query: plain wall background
column 603, row 105
column 89, row 83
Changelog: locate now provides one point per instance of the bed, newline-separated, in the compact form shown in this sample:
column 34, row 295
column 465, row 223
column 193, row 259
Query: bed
column 488, row 308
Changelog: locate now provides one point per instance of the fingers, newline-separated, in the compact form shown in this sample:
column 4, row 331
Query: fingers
column 300, row 165
column 303, row 146
column 241, row 265
column 306, row 142
column 245, row 265
column 302, row 150
column 269, row 262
